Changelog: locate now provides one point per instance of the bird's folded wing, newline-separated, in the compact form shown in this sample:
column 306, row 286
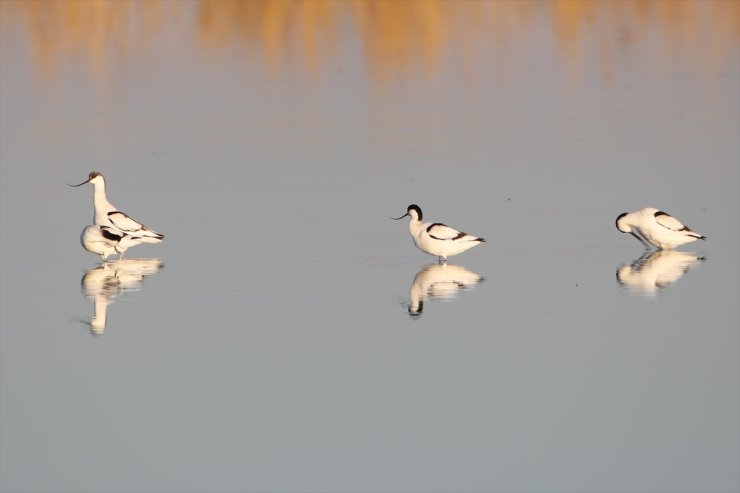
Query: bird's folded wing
column 668, row 221
column 440, row 231
column 125, row 223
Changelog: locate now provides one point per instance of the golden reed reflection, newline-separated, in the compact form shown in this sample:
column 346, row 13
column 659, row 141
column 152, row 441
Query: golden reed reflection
column 397, row 38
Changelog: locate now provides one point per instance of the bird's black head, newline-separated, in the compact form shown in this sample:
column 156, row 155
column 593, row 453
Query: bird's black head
column 90, row 177
column 412, row 207
column 621, row 225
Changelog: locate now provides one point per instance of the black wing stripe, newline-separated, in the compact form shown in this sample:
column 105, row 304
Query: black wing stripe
column 110, row 236
column 431, row 226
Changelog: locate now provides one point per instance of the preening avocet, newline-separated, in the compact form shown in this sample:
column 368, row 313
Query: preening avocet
column 106, row 241
column 652, row 226
column 107, row 215
column 436, row 238
column 100, row 240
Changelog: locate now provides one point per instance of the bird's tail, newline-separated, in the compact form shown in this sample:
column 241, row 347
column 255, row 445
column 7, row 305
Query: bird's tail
column 150, row 235
column 151, row 239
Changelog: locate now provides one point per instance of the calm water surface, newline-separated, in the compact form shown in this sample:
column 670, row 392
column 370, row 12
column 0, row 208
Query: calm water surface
column 287, row 336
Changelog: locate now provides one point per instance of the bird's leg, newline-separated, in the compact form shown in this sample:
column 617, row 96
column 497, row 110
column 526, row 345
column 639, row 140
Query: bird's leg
column 644, row 255
column 647, row 246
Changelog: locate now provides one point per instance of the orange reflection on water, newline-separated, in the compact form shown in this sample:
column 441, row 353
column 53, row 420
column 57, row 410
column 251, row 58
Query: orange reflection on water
column 277, row 32
column 99, row 34
column 397, row 38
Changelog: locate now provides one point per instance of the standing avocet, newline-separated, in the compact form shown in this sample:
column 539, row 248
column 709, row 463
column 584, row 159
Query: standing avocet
column 106, row 241
column 652, row 226
column 436, row 238
column 107, row 215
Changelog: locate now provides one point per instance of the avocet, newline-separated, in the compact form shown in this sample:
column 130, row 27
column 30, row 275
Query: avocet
column 655, row 227
column 106, row 215
column 436, row 238
column 106, row 241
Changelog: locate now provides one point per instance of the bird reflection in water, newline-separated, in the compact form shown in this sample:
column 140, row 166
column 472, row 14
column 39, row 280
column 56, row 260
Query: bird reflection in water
column 648, row 274
column 109, row 280
column 439, row 282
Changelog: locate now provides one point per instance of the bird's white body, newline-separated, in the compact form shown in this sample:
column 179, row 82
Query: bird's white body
column 112, row 222
column 94, row 241
column 106, row 241
column 436, row 238
column 653, row 226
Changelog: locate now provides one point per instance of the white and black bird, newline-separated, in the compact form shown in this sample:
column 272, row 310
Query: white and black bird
column 436, row 238
column 117, row 222
column 106, row 241
column 655, row 227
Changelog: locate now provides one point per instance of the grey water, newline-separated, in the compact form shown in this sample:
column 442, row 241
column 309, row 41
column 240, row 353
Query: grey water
column 287, row 335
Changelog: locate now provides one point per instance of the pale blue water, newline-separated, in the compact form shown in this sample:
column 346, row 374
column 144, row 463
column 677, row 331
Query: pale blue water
column 269, row 345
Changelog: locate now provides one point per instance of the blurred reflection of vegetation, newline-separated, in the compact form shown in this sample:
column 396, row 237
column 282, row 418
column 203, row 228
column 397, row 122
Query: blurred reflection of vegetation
column 397, row 37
